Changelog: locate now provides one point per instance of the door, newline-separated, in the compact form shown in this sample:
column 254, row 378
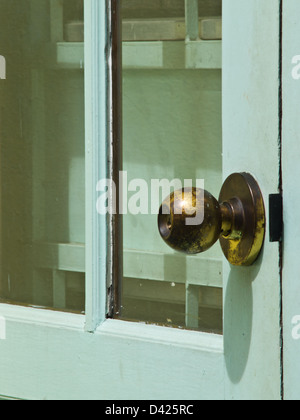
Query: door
column 62, row 335
column 290, row 152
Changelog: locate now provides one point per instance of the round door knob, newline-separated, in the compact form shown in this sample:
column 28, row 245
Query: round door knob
column 191, row 220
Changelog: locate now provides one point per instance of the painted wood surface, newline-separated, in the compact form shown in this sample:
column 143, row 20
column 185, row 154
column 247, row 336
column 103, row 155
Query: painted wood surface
column 97, row 139
column 250, row 143
column 291, row 173
column 47, row 355
column 50, row 355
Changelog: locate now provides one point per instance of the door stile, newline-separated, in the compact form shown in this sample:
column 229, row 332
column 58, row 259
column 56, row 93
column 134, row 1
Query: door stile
column 251, row 90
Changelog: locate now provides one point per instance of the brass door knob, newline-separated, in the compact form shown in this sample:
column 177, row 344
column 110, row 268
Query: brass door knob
column 237, row 219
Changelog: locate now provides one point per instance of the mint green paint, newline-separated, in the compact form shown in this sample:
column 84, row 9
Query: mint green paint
column 250, row 143
column 291, row 172
column 97, row 117
column 55, row 359
column 50, row 355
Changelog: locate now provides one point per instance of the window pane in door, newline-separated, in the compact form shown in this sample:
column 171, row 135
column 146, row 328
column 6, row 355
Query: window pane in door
column 42, row 154
column 172, row 129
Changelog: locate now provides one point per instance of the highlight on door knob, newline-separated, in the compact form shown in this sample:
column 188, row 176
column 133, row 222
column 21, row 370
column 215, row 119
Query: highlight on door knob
column 237, row 219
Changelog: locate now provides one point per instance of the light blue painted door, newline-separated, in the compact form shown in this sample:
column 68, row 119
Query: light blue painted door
column 46, row 354
column 290, row 163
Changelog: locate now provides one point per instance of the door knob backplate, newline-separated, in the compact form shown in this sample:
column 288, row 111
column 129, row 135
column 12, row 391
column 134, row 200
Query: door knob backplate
column 237, row 219
column 244, row 247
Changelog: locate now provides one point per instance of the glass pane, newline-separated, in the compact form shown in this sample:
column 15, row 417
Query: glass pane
column 42, row 154
column 172, row 129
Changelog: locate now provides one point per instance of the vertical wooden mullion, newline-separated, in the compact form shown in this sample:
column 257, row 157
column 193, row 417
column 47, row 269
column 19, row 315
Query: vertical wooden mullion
column 96, row 128
column 103, row 157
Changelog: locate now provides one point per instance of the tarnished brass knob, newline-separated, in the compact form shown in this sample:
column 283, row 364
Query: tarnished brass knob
column 192, row 220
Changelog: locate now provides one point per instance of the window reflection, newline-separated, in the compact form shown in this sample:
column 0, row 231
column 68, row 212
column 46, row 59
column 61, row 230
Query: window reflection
column 172, row 103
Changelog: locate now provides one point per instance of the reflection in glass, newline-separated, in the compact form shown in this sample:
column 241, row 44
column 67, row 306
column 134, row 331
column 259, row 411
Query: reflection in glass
column 172, row 129
column 42, row 154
